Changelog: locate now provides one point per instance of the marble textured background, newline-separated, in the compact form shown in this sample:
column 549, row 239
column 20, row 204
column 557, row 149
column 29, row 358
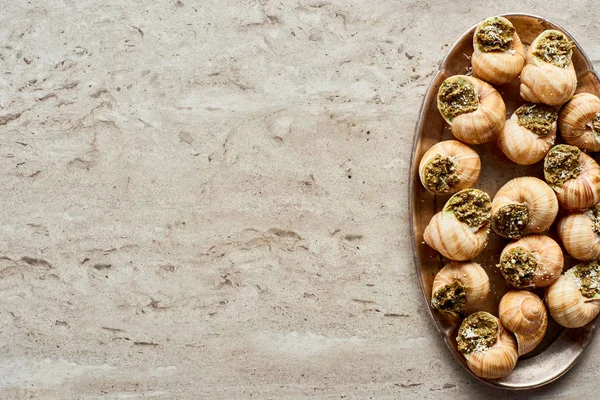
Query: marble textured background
column 207, row 198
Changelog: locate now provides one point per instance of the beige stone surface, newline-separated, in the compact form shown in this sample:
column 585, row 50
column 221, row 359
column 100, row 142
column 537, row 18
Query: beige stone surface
column 208, row 198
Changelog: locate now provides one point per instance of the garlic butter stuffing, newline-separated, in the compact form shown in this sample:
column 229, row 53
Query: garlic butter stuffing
column 574, row 176
column 498, row 54
column 574, row 299
column 490, row 350
column 580, row 233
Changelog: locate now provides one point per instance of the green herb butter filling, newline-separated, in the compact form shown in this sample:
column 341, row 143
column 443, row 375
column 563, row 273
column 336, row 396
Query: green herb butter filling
column 471, row 206
column 451, row 298
column 537, row 118
column 595, row 124
column 518, row 267
column 554, row 48
column 594, row 215
column 440, row 174
column 456, row 97
column 510, row 220
column 494, row 34
column 478, row 332
column 562, row 164
column 587, row 276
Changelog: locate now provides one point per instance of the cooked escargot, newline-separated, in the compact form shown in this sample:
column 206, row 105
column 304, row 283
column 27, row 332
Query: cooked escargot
column 579, row 122
column 549, row 76
column 524, row 314
column 490, row 350
column 528, row 134
column 580, row 233
column 448, row 167
column 474, row 110
column 498, row 54
column 574, row 176
column 459, row 285
column 532, row 261
column 460, row 231
column 574, row 299
column 523, row 205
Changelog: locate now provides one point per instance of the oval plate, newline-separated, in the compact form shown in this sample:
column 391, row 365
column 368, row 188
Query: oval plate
column 561, row 348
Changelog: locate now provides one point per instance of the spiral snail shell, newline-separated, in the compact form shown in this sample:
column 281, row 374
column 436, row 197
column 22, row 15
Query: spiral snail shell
column 524, row 314
column 579, row 122
column 474, row 110
column 448, row 167
column 498, row 54
column 549, row 76
column 490, row 350
column 574, row 299
column 458, row 286
column 460, row 231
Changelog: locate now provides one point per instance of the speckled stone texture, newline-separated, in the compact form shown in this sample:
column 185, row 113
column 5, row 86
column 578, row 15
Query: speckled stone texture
column 208, row 199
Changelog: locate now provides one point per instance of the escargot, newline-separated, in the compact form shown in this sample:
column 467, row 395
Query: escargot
column 460, row 231
column 523, row 205
column 474, row 110
column 498, row 54
column 579, row 122
column 532, row 261
column 459, row 285
column 490, row 350
column 448, row 167
column 549, row 76
column 528, row 134
column 524, row 314
column 580, row 233
column 574, row 176
column 574, row 299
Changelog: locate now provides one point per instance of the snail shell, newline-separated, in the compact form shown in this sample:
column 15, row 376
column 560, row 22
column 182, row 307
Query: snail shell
column 521, row 145
column 482, row 124
column 579, row 122
column 547, row 255
column 544, row 82
column 455, row 239
column 566, row 303
column 579, row 191
column 497, row 67
column 499, row 359
column 452, row 165
column 579, row 233
column 474, row 283
column 524, row 314
column 523, row 205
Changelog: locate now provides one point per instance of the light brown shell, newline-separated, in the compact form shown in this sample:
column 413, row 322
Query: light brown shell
column 521, row 145
column 542, row 82
column 470, row 274
column 583, row 191
column 533, row 193
column 454, row 239
column 483, row 124
column 499, row 360
column 548, row 255
column 574, row 118
column 524, row 314
column 567, row 305
column 578, row 236
column 468, row 163
column 497, row 67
